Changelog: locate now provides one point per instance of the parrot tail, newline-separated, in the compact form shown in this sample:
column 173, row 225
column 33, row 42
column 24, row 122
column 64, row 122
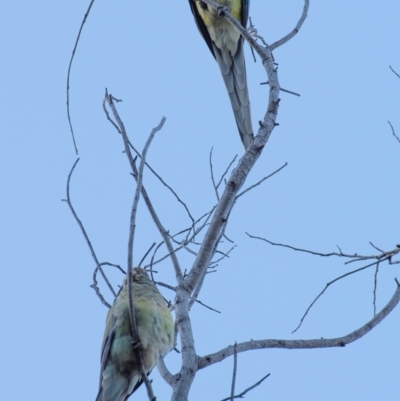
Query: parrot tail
column 233, row 70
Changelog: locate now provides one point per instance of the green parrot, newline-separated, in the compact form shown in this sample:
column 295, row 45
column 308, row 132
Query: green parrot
column 120, row 371
column 226, row 45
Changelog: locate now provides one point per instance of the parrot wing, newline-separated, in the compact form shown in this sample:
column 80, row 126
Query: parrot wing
column 233, row 70
column 201, row 27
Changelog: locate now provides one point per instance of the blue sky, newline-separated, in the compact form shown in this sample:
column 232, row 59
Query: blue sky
column 341, row 187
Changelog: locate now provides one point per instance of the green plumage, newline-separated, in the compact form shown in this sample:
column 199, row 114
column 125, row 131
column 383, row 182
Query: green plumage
column 120, row 371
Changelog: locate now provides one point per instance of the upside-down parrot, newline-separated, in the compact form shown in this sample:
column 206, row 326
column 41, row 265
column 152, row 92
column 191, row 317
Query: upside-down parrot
column 226, row 45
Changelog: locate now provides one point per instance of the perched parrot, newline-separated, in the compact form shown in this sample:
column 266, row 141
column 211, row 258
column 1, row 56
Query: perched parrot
column 120, row 369
column 226, row 45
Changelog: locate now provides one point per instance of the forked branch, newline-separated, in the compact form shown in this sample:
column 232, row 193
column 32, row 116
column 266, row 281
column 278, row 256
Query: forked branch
column 219, row 356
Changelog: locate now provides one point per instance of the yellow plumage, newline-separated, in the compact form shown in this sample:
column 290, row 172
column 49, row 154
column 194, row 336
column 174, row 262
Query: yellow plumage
column 120, row 369
column 226, row 45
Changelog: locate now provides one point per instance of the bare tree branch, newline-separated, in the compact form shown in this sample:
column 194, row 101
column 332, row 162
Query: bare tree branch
column 132, row 227
column 69, row 71
column 145, row 255
column 139, row 188
column 69, row 203
column 219, row 356
column 161, row 284
column 245, row 164
column 164, row 233
column 164, row 372
column 199, row 284
column 97, row 290
column 95, row 286
column 261, row 181
column 393, row 132
column 328, row 285
column 208, row 307
column 197, row 290
column 234, row 371
column 226, row 171
column 375, row 247
column 224, row 255
column 382, row 257
column 212, row 175
column 387, row 255
column 375, row 285
column 220, row 215
column 121, row 129
column 394, row 72
column 283, row 90
column 216, row 186
column 165, row 184
column 152, row 260
column 189, row 239
column 240, row 395
column 296, row 30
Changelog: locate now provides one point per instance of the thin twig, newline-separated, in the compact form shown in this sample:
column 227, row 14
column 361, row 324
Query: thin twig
column 226, row 171
column 282, row 89
column 145, row 255
column 354, row 257
column 253, row 31
column 69, row 203
column 132, row 227
column 105, row 100
column 200, row 282
column 97, row 290
column 146, row 198
column 330, row 283
column 382, row 257
column 69, row 72
column 199, row 285
column 198, row 230
column 393, row 132
column 152, row 260
column 165, row 184
column 375, row 286
column 145, row 378
column 114, row 265
column 212, row 175
column 375, row 247
column 188, row 240
column 161, row 284
column 210, row 359
column 95, row 286
column 262, row 180
column 250, row 28
column 240, row 395
column 164, row 233
column 206, row 306
column 296, row 30
column 184, row 246
column 394, row 71
column 224, row 255
column 193, row 227
column 167, row 255
column 196, row 291
column 234, row 371
column 139, row 179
